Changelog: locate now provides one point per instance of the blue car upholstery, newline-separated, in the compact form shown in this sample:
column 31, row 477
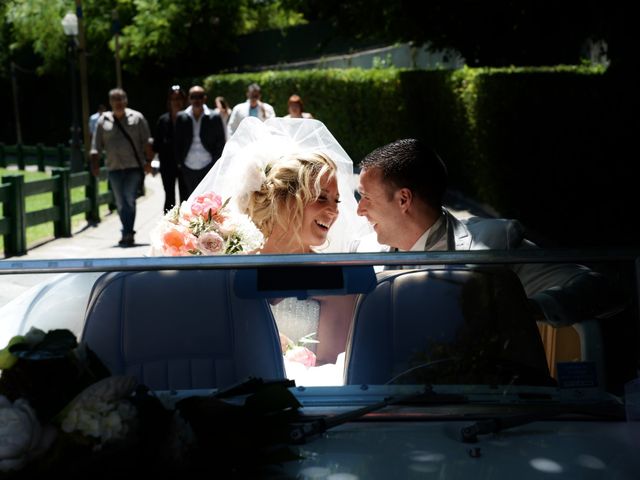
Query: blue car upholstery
column 439, row 317
column 181, row 329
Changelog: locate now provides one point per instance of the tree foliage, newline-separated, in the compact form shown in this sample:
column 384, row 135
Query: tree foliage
column 153, row 32
column 193, row 38
column 271, row 14
column 37, row 23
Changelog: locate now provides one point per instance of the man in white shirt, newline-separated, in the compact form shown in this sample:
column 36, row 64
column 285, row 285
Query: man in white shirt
column 199, row 139
column 402, row 185
column 253, row 107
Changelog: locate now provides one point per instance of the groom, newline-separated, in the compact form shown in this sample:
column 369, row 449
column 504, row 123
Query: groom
column 401, row 187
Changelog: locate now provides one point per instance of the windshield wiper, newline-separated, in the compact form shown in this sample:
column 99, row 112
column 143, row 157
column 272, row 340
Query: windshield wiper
column 252, row 385
column 469, row 434
column 303, row 432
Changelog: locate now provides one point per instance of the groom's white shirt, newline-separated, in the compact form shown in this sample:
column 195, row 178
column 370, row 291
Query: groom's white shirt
column 422, row 242
column 370, row 243
column 198, row 157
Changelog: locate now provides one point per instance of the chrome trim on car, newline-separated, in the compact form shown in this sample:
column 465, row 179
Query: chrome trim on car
column 484, row 257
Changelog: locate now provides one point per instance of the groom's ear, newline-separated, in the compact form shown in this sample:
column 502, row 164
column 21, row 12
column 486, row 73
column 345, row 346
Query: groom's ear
column 404, row 197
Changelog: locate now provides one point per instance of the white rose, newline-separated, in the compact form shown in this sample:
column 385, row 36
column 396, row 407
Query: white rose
column 112, row 426
column 20, row 433
column 98, row 411
column 105, row 391
column 210, row 243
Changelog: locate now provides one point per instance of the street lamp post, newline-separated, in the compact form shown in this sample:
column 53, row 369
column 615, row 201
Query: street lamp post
column 70, row 27
column 115, row 29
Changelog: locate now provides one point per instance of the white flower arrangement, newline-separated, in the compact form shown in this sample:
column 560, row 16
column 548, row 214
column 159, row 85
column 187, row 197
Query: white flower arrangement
column 100, row 412
column 21, row 435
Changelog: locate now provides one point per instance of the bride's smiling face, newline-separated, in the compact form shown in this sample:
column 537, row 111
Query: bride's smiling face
column 320, row 214
column 297, row 203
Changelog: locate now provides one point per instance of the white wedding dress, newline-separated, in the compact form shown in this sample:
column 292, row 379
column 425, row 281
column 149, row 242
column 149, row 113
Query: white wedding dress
column 297, row 319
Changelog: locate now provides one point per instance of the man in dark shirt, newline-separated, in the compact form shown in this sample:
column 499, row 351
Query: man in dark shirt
column 199, row 139
column 163, row 145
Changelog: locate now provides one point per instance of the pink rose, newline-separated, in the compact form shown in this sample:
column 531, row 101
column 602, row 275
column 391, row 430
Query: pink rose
column 301, row 355
column 205, row 203
column 210, row 243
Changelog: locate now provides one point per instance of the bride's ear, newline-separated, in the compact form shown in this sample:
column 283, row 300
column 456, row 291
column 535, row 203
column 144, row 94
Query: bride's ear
column 404, row 197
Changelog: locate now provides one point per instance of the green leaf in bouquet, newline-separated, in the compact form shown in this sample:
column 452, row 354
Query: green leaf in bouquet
column 307, row 339
column 7, row 359
column 234, row 245
column 198, row 226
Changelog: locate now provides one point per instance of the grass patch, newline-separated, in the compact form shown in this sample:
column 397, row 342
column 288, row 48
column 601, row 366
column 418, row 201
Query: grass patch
column 43, row 232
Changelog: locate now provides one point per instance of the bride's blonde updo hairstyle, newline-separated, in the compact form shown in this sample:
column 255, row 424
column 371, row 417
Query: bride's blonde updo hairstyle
column 292, row 182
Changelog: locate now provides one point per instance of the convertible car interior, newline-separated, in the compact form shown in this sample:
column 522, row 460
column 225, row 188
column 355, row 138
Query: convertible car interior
column 188, row 329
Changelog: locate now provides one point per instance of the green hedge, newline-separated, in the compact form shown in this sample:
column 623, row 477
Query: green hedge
column 362, row 108
column 527, row 141
column 540, row 136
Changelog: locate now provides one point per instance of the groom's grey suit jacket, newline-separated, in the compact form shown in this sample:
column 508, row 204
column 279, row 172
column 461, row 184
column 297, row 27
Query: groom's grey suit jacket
column 566, row 293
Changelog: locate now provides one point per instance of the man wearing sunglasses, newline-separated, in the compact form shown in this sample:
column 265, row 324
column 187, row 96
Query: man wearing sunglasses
column 199, row 139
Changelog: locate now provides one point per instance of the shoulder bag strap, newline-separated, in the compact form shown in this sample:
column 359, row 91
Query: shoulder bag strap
column 126, row 135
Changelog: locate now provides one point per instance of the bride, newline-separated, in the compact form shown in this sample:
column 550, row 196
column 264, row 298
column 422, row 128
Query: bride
column 296, row 183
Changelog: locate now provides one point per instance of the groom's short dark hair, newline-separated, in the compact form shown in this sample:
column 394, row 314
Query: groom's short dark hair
column 411, row 163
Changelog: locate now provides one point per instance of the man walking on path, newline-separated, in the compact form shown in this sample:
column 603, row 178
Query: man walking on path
column 253, row 107
column 124, row 134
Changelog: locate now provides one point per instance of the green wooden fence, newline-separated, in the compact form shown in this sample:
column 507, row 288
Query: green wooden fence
column 14, row 192
column 23, row 155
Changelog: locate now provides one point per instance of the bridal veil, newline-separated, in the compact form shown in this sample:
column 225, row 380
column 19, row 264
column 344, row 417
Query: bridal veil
column 255, row 144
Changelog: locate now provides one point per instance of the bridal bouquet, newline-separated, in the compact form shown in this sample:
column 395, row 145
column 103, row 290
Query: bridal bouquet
column 205, row 226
